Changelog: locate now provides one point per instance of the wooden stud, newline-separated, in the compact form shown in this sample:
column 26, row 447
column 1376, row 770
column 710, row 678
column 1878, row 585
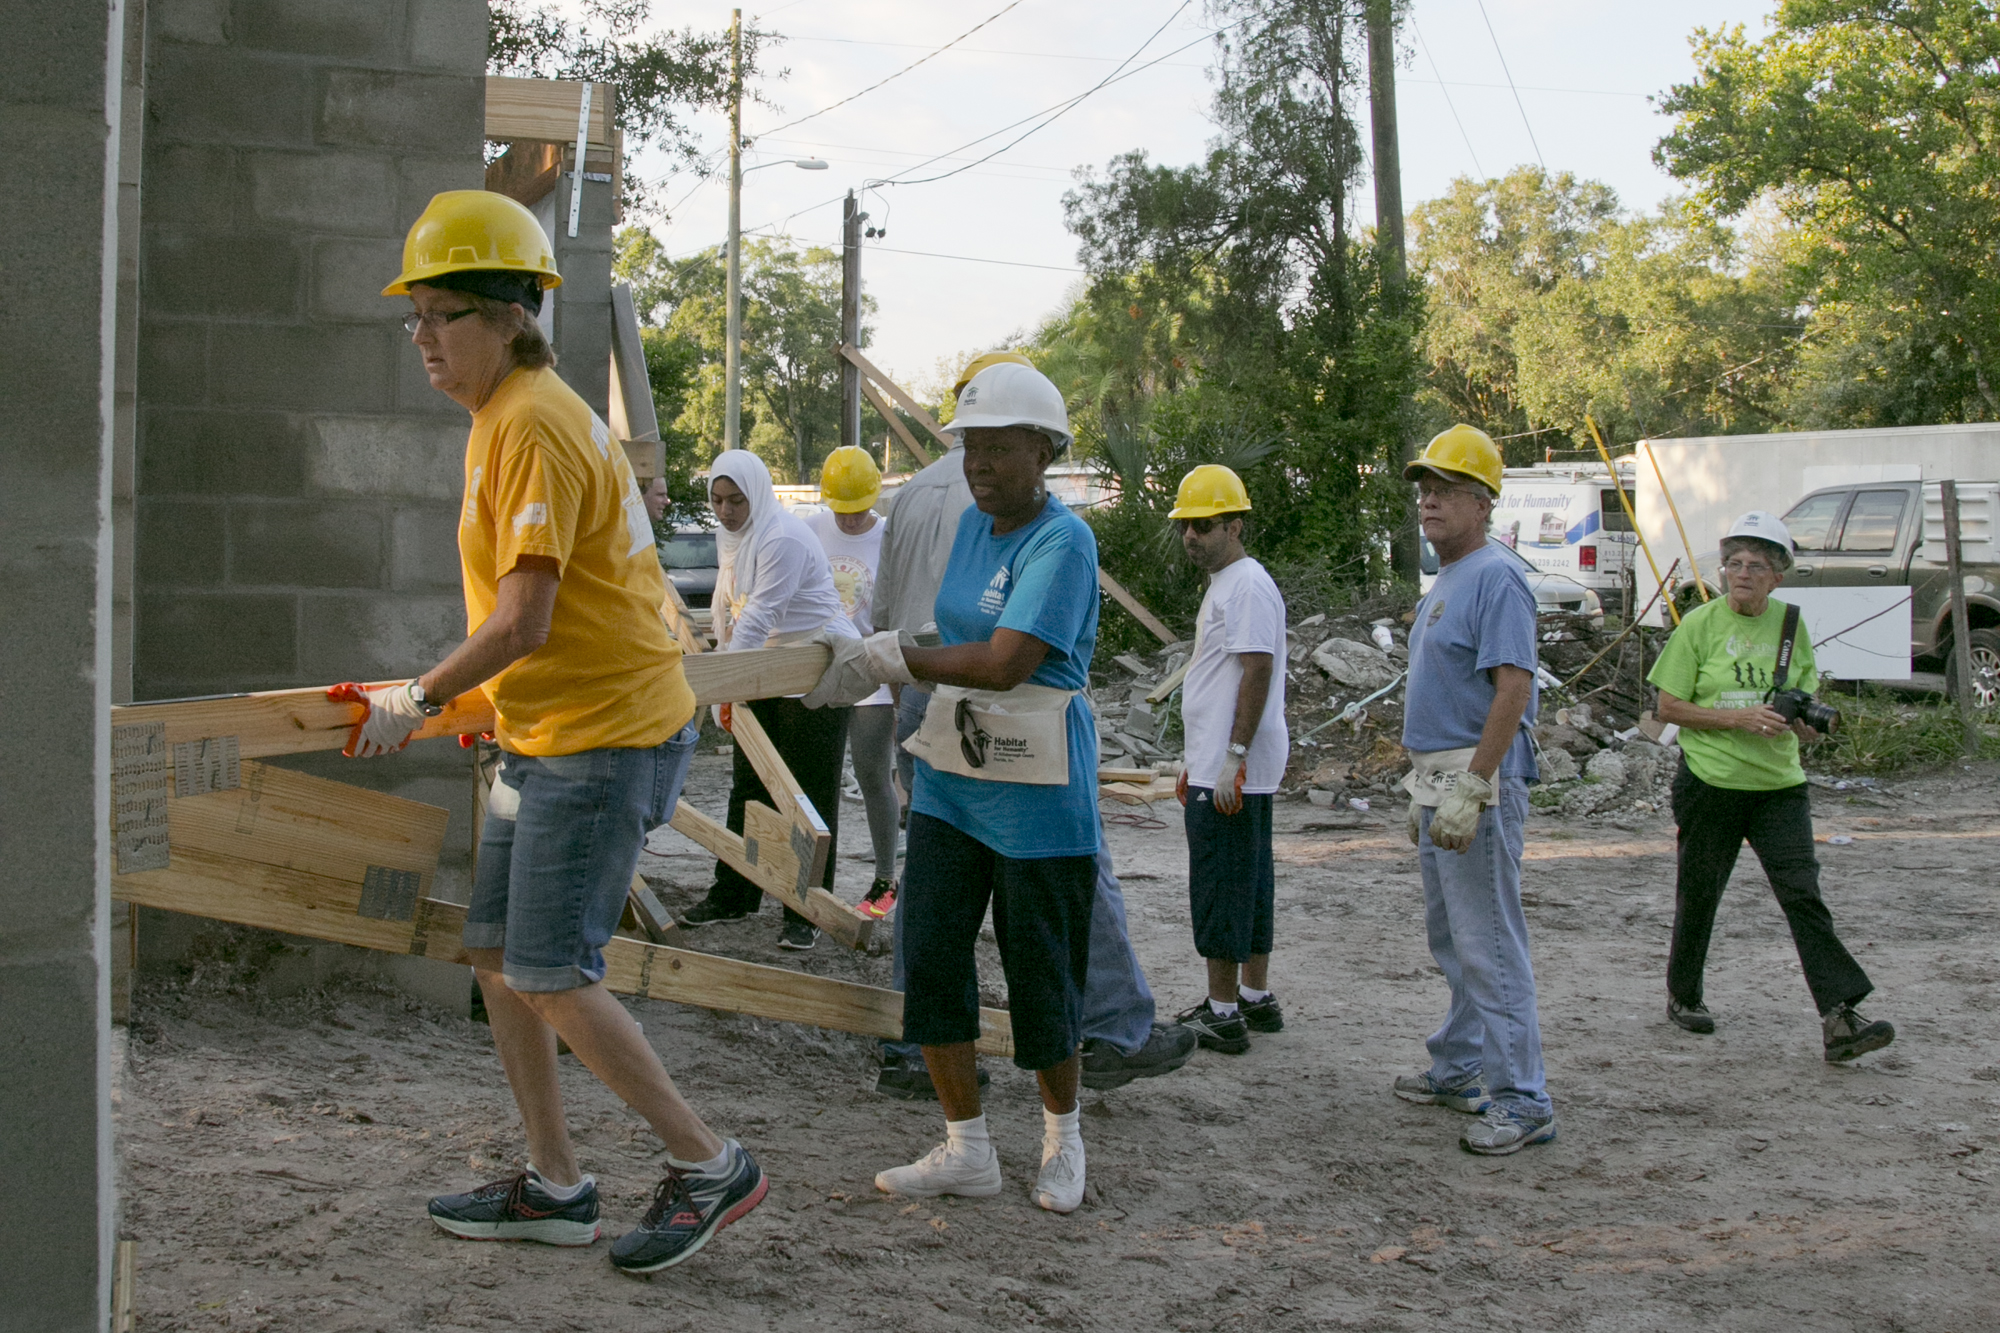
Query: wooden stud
column 917, row 451
column 1132, row 604
column 545, row 109
column 895, row 391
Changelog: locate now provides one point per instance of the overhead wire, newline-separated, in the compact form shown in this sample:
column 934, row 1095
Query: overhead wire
column 1518, row 105
column 899, row 73
column 1473, row 153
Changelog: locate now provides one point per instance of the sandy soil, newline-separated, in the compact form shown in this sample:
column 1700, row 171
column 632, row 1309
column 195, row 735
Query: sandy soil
column 279, row 1152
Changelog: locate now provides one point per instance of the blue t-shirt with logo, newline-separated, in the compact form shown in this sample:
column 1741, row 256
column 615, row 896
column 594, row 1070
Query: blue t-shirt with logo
column 1040, row 579
column 1477, row 616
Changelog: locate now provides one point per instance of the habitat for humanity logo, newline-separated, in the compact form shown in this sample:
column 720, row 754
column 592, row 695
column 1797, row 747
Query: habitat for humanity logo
column 994, row 600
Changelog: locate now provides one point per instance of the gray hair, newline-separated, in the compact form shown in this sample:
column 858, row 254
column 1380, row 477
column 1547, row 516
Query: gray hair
column 1780, row 558
column 529, row 345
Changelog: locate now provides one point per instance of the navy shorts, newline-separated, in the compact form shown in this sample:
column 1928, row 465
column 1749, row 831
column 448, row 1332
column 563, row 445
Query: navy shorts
column 1232, row 885
column 551, row 882
column 1041, row 920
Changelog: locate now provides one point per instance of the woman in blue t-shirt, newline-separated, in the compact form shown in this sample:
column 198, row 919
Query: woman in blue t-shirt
column 1005, row 805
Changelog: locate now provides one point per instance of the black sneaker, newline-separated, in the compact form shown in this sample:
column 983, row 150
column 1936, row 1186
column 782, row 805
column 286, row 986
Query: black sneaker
column 1848, row 1034
column 516, row 1209
column 907, row 1078
column 1262, row 1015
column 706, row 913
column 1167, row 1048
column 798, row 936
column 689, row 1209
column 1229, row 1035
column 1694, row 1017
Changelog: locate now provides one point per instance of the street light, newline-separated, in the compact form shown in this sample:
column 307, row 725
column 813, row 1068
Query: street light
column 732, row 356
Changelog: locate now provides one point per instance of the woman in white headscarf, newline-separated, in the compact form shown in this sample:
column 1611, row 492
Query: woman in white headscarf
column 774, row 587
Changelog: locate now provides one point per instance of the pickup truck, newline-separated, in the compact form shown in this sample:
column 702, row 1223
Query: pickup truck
column 1891, row 534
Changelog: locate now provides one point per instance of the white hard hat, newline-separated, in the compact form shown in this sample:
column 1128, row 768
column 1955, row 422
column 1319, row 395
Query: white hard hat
column 1012, row 395
column 1764, row 526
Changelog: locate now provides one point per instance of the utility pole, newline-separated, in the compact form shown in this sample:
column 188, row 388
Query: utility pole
column 1404, row 543
column 850, row 319
column 732, row 356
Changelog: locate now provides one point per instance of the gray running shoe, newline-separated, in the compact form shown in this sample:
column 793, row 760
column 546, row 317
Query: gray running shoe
column 1465, row 1095
column 1503, row 1130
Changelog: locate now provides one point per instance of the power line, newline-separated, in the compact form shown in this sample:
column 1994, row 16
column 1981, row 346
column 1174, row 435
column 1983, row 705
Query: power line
column 901, row 72
column 977, row 50
column 1447, row 97
column 1510, row 84
column 1060, row 109
column 975, row 259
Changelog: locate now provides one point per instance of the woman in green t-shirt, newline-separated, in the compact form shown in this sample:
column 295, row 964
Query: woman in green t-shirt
column 1740, row 780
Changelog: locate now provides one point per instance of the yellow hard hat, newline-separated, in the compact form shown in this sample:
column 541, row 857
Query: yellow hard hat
column 462, row 230
column 1461, row 453
column 1209, row 490
column 979, row 363
column 849, row 481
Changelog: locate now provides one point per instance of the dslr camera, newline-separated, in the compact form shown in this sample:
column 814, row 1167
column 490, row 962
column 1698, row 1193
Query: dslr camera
column 1798, row 706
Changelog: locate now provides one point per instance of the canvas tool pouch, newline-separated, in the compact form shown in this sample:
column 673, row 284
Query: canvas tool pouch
column 1017, row 735
column 1433, row 773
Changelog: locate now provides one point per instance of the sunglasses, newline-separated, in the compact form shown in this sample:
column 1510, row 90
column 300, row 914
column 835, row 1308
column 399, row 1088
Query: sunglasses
column 972, row 738
column 1200, row 526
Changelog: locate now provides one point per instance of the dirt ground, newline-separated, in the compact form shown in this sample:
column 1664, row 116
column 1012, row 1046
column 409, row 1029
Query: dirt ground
column 279, row 1152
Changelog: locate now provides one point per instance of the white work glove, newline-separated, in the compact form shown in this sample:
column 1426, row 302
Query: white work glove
column 885, row 657
column 859, row 668
column 393, row 716
column 1228, row 796
column 1457, row 819
column 1416, row 824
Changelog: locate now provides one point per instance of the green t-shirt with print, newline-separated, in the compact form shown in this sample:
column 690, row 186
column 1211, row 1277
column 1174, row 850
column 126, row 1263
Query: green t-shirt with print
column 1719, row 659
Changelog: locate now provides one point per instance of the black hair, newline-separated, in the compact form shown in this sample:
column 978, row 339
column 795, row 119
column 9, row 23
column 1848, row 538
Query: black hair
column 506, row 285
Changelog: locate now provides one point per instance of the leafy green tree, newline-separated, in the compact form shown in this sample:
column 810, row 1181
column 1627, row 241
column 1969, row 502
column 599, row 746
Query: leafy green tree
column 1873, row 126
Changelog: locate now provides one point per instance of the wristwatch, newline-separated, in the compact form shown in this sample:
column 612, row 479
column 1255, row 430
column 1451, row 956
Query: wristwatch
column 1240, row 751
column 417, row 697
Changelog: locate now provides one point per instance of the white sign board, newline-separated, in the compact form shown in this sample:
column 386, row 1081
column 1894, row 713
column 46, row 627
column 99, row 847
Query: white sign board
column 1856, row 633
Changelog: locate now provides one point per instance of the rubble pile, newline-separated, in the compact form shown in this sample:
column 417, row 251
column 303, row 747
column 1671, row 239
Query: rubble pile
column 1344, row 703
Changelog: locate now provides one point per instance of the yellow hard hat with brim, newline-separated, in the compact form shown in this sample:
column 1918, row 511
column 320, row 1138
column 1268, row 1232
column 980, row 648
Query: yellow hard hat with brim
column 1209, row 490
column 1463, row 453
column 849, row 481
column 981, row 362
column 462, row 230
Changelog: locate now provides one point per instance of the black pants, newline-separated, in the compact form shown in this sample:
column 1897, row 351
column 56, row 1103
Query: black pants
column 1714, row 823
column 1041, row 921
column 812, row 742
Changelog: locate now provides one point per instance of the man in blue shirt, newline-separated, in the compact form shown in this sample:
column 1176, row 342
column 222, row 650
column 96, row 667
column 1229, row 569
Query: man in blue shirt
column 1471, row 707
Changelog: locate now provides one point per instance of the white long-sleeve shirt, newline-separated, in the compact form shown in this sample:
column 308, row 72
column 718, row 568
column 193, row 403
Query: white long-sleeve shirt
column 789, row 591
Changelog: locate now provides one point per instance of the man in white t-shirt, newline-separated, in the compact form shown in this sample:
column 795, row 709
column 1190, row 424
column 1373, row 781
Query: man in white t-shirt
column 850, row 484
column 1233, row 711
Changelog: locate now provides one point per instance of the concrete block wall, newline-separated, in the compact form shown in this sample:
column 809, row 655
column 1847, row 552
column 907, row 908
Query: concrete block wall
column 297, row 480
column 59, row 174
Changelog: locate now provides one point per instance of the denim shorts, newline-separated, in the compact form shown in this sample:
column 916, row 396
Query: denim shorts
column 551, row 882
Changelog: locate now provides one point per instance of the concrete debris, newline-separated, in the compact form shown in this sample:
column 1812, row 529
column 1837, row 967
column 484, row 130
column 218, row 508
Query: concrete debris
column 1360, row 666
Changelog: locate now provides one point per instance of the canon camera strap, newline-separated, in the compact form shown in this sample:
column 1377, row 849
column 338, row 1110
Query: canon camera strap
column 1787, row 638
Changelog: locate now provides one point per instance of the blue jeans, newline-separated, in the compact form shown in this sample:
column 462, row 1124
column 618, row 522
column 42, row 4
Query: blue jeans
column 1479, row 937
column 551, row 882
column 1117, row 1003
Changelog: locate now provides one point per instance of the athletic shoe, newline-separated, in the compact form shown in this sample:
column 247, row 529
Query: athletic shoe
column 1167, row 1048
column 516, row 1209
column 1502, row 1130
column 1694, row 1017
column 881, row 899
column 1262, row 1015
column 908, row 1079
column 798, row 936
column 1229, row 1035
column 688, row 1210
column 1465, row 1095
column 1059, row 1187
column 948, row 1168
column 706, row 913
column 1848, row 1034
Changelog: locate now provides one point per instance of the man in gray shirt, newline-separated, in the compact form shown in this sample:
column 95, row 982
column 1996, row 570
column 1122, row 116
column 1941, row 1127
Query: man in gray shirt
column 1121, row 1040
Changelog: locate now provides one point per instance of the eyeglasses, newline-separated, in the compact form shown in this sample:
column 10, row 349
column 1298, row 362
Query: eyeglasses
column 413, row 321
column 1746, row 567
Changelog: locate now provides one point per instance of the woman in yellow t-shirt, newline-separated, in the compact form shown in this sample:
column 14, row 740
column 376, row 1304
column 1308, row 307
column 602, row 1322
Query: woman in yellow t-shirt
column 596, row 721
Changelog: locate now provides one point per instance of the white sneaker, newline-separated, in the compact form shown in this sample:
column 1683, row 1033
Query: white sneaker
column 1060, row 1186
column 946, row 1169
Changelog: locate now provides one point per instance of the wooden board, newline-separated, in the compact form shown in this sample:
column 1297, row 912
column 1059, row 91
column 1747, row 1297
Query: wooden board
column 301, row 903
column 297, row 822
column 784, row 790
column 889, row 386
column 775, row 868
column 1171, row 683
column 917, row 451
column 648, row 914
column 1133, row 605
column 302, row 721
column 545, row 109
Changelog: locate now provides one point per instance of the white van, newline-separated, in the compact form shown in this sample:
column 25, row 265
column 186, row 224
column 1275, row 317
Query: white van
column 1566, row 519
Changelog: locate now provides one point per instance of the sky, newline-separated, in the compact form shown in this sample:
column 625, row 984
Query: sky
column 973, row 261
